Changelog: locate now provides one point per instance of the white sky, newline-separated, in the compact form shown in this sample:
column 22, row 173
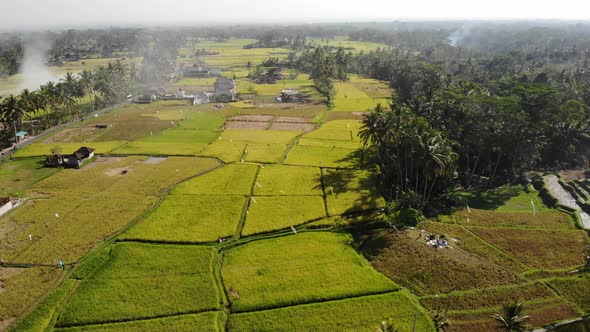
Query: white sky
column 66, row 13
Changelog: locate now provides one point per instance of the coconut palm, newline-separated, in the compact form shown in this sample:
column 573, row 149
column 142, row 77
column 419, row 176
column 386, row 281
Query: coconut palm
column 511, row 319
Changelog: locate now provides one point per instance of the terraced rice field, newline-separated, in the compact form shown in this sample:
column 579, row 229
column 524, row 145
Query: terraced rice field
column 238, row 218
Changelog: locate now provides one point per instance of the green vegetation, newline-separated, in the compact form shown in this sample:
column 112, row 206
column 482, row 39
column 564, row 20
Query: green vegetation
column 357, row 314
column 298, row 269
column 264, row 153
column 282, row 180
column 234, row 179
column 351, row 191
column 23, row 286
column 270, row 213
column 45, row 149
column 225, row 150
column 320, row 156
column 125, row 287
column 260, row 137
column 574, row 290
column 41, row 317
column 16, row 176
column 191, row 218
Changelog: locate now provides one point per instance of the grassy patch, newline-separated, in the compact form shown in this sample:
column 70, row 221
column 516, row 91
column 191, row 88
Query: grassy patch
column 357, row 314
column 337, row 130
column 289, row 180
column 127, row 285
column 160, row 149
column 16, row 176
column 234, row 179
column 350, row 191
column 297, row 269
column 191, row 218
column 269, row 213
column 202, row 121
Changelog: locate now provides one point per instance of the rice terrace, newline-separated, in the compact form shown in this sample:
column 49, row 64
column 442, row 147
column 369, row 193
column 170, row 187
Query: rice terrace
column 301, row 178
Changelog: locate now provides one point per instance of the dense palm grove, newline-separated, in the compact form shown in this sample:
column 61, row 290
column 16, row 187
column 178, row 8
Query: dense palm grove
column 55, row 103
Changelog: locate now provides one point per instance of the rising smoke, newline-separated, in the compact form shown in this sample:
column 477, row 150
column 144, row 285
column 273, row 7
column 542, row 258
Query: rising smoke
column 33, row 69
column 457, row 37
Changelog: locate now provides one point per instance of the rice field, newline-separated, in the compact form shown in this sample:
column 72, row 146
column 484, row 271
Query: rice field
column 357, row 314
column 191, row 218
column 350, row 191
column 233, row 179
column 46, row 149
column 323, row 266
column 126, row 285
column 271, row 213
column 280, row 180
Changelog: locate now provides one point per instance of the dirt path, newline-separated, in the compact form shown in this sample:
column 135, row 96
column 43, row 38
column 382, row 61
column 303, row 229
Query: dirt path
column 565, row 198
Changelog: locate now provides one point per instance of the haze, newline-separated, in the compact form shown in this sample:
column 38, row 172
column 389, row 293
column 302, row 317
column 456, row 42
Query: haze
column 73, row 13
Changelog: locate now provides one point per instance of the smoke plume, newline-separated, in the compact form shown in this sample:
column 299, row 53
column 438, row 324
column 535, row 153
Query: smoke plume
column 33, row 69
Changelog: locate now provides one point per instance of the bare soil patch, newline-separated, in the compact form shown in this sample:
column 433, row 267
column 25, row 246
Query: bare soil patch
column 118, row 171
column 251, row 125
column 290, row 119
column 154, row 160
column 78, row 134
column 306, row 127
column 256, row 118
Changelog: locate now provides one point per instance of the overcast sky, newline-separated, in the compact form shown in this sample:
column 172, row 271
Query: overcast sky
column 67, row 13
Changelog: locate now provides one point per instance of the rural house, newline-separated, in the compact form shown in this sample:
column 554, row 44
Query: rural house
column 5, row 205
column 74, row 160
column 225, row 89
column 202, row 98
column 196, row 71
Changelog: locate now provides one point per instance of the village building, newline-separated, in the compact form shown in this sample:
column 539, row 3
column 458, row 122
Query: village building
column 21, row 136
column 196, row 71
column 291, row 96
column 202, row 98
column 5, row 205
column 225, row 90
column 73, row 160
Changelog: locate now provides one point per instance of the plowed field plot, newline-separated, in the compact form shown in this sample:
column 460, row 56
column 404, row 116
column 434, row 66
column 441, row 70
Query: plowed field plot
column 144, row 281
column 271, row 213
column 191, row 218
column 357, row 314
column 304, row 127
column 248, row 125
column 297, row 269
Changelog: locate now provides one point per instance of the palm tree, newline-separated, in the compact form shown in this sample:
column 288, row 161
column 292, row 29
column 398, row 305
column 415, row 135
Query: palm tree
column 511, row 318
column 12, row 111
column 87, row 79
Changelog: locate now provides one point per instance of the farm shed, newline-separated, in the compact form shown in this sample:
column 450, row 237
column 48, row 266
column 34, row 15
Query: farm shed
column 74, row 160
